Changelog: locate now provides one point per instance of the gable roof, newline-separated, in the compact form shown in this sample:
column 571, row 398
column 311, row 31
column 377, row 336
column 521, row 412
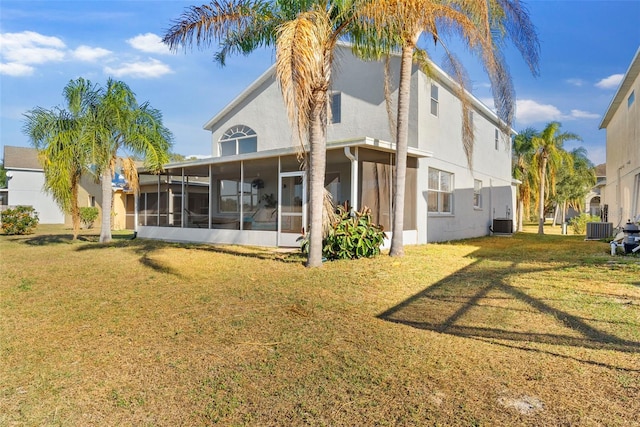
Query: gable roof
column 21, row 158
column 626, row 84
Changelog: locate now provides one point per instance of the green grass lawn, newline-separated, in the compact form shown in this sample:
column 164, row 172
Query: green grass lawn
column 527, row 330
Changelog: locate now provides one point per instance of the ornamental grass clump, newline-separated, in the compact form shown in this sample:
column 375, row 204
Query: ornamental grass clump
column 19, row 220
column 353, row 235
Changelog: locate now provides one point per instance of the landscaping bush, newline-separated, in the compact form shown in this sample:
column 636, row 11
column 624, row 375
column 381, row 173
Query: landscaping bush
column 88, row 215
column 579, row 223
column 351, row 236
column 19, row 220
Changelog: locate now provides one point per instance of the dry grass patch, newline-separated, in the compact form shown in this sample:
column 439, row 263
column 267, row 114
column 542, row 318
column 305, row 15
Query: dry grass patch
column 528, row 330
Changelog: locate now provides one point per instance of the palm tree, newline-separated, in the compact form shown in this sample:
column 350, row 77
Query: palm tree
column 547, row 160
column 482, row 24
column 305, row 34
column 522, row 154
column 60, row 138
column 120, row 125
column 574, row 181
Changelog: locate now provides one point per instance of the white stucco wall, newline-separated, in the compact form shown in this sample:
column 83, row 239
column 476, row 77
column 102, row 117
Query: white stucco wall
column 364, row 114
column 26, row 188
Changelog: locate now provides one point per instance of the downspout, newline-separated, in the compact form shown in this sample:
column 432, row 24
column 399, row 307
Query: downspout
column 354, row 176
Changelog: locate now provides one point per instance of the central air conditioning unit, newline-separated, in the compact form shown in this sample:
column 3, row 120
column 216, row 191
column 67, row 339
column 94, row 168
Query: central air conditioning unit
column 599, row 230
column 502, row 226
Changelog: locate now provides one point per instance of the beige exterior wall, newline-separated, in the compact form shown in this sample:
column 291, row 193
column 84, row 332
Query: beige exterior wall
column 89, row 190
column 622, row 122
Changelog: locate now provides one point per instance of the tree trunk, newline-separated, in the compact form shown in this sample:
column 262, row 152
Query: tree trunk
column 316, row 169
column 520, row 214
column 556, row 211
column 75, row 210
column 105, row 225
column 543, row 173
column 402, row 146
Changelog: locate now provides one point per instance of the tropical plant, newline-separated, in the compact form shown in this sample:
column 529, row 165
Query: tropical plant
column 122, row 125
column 482, row 24
column 88, row 215
column 3, row 176
column 352, row 235
column 547, row 160
column 522, row 154
column 19, row 220
column 305, row 34
column 574, row 181
column 60, row 137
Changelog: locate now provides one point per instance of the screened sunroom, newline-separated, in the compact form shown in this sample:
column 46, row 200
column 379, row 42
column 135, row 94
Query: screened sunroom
column 260, row 198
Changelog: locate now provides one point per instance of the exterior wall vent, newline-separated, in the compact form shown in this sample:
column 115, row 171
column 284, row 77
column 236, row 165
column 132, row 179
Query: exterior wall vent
column 599, row 230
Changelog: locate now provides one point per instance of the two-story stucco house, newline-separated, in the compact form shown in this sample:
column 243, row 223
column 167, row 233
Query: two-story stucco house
column 253, row 191
column 622, row 122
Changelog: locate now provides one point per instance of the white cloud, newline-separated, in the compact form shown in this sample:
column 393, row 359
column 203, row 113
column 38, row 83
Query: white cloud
column 141, row 69
column 610, row 82
column 150, row 43
column 16, row 70
column 579, row 114
column 90, row 54
column 576, row 82
column 29, row 47
column 530, row 111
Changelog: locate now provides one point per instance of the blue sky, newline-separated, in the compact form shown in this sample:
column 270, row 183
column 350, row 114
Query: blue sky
column 586, row 47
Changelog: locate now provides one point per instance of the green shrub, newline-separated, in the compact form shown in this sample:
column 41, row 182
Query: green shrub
column 88, row 215
column 579, row 223
column 19, row 220
column 351, row 236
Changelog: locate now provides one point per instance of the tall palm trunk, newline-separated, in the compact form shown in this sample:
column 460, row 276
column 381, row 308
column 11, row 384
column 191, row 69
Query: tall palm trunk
column 543, row 174
column 520, row 215
column 75, row 210
column 317, row 166
column 402, row 147
column 105, row 225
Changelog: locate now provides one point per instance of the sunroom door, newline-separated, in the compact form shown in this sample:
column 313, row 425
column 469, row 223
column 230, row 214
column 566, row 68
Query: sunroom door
column 292, row 208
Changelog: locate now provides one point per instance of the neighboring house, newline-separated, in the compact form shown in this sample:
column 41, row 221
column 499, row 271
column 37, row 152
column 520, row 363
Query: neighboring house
column 253, row 191
column 25, row 180
column 25, row 186
column 622, row 122
column 593, row 201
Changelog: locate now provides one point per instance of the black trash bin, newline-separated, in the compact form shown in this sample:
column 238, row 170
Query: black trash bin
column 631, row 237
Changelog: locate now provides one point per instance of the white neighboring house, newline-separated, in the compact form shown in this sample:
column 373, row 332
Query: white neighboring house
column 25, row 180
column 252, row 190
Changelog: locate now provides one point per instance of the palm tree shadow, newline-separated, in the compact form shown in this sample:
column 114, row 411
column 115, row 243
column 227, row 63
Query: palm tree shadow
column 464, row 304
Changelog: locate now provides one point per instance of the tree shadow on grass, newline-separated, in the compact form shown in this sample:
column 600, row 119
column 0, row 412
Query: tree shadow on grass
column 145, row 248
column 478, row 302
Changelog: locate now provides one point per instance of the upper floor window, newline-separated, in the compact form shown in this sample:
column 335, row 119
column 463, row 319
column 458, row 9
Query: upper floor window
column 440, row 198
column 434, row 100
column 631, row 98
column 336, row 107
column 238, row 140
column 496, row 138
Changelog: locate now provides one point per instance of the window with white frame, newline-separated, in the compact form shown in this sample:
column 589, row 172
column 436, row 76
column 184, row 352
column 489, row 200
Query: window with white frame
column 477, row 194
column 233, row 193
column 238, row 140
column 434, row 100
column 496, row 138
column 336, row 107
column 440, row 197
